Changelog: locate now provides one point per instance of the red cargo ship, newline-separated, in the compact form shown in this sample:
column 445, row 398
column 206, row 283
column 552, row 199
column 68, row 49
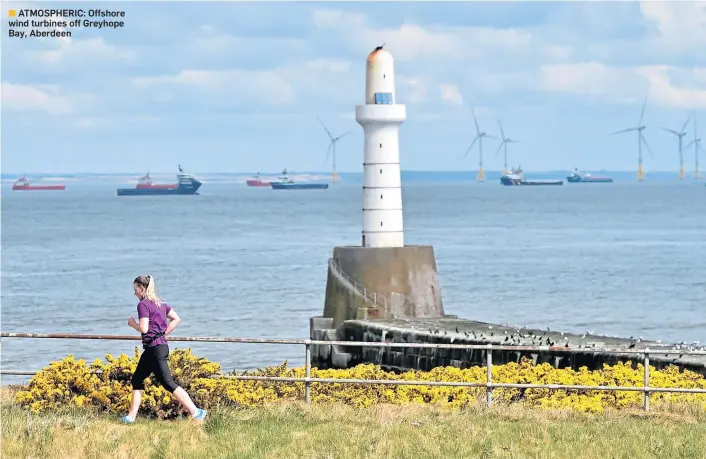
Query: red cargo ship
column 256, row 181
column 147, row 182
column 23, row 183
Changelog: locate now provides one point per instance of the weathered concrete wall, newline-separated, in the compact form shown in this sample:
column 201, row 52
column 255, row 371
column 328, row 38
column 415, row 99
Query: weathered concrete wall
column 403, row 281
column 459, row 331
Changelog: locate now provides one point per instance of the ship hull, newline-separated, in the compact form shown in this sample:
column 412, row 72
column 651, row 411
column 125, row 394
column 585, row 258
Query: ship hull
column 299, row 186
column 191, row 189
column 514, row 182
column 39, row 188
column 257, row 183
column 589, row 179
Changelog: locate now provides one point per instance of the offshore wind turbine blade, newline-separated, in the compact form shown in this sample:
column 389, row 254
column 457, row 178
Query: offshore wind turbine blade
column 689, row 144
column 502, row 133
column 644, row 142
column 488, row 136
column 623, row 131
column 642, row 113
column 685, row 123
column 469, row 148
column 499, row 147
column 475, row 121
column 672, row 131
column 324, row 126
column 328, row 152
column 340, row 136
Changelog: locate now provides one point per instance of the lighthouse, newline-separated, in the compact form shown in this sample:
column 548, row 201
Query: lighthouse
column 384, row 277
column 381, row 117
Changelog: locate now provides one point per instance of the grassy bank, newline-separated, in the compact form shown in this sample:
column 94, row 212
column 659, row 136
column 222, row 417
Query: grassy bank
column 293, row 430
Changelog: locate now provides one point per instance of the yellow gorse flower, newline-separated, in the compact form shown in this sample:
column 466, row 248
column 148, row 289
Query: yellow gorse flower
column 70, row 382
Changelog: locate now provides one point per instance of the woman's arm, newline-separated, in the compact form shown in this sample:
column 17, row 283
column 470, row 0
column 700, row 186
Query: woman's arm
column 173, row 323
column 142, row 326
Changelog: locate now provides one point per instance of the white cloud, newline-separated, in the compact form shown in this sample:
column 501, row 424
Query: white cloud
column 412, row 90
column 113, row 122
column 213, row 42
column 628, row 84
column 252, row 86
column 450, row 94
column 277, row 86
column 26, row 98
column 591, row 78
column 680, row 25
column 82, row 50
column 411, row 42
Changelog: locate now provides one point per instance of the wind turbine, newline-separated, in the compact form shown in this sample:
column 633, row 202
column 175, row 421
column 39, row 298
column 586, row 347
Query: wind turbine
column 640, row 141
column 332, row 147
column 505, row 141
column 681, row 135
column 479, row 137
column 697, row 145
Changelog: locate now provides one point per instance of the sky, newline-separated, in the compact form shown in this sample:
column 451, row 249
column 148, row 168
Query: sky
column 237, row 87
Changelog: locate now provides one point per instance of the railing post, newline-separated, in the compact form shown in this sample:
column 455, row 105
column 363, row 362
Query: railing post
column 375, row 298
column 646, row 363
column 307, row 373
column 489, row 377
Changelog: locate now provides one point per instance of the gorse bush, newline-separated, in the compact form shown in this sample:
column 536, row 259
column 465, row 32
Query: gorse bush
column 71, row 382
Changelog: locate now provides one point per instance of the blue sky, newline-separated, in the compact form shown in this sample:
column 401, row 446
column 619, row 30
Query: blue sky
column 231, row 87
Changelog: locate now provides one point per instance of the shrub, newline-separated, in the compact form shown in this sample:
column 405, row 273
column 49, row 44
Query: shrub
column 71, row 382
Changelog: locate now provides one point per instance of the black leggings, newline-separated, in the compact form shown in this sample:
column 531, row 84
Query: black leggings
column 154, row 360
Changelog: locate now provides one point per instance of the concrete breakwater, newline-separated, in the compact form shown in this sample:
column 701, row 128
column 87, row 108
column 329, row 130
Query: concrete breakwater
column 566, row 350
column 392, row 295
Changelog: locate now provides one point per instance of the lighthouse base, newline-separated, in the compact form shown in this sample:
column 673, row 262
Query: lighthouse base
column 382, row 282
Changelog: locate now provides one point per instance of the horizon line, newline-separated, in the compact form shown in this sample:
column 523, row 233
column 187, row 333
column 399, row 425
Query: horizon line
column 290, row 171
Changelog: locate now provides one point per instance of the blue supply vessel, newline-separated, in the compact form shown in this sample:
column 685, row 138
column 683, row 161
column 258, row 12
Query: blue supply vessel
column 283, row 182
column 587, row 178
column 186, row 184
column 517, row 178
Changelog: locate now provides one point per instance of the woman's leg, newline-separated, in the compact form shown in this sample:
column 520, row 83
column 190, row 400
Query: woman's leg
column 164, row 376
column 143, row 370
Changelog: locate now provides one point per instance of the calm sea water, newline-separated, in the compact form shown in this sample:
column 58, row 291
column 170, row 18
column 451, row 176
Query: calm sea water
column 623, row 259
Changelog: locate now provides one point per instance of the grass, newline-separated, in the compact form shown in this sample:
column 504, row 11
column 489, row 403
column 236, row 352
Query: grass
column 294, row 430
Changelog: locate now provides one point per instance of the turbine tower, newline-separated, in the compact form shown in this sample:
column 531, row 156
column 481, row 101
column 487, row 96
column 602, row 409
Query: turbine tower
column 479, row 137
column 697, row 146
column 505, row 141
column 332, row 148
column 640, row 141
column 681, row 135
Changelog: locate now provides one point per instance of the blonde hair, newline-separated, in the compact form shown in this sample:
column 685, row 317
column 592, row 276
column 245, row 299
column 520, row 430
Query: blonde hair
column 150, row 293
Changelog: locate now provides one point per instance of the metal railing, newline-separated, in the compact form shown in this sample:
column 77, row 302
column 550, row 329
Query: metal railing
column 368, row 295
column 489, row 385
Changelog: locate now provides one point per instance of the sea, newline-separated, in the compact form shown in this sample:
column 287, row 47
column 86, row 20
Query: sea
column 623, row 259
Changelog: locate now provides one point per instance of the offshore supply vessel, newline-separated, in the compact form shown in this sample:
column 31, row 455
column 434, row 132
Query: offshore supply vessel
column 257, row 181
column 517, row 178
column 283, row 182
column 575, row 177
column 23, row 184
column 186, row 184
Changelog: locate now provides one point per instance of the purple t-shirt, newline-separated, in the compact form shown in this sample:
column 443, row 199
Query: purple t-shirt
column 158, row 320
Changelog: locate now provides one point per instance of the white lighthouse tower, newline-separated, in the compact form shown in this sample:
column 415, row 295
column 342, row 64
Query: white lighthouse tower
column 383, row 278
column 381, row 118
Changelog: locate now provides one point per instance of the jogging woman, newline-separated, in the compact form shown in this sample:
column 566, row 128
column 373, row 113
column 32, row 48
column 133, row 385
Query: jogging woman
column 152, row 314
